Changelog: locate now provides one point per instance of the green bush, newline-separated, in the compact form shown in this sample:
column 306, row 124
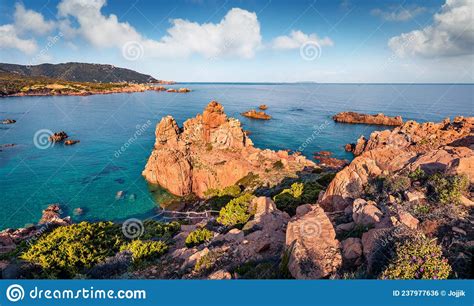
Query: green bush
column 417, row 175
column 68, row 250
column 396, row 184
column 299, row 193
column 156, row 230
column 206, row 262
column 418, row 258
column 198, row 236
column 236, row 211
column 448, row 189
column 145, row 250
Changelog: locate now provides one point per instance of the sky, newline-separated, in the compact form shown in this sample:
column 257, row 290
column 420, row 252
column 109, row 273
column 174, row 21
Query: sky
column 333, row 41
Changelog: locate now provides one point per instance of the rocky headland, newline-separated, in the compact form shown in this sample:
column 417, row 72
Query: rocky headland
column 212, row 151
column 379, row 119
column 402, row 209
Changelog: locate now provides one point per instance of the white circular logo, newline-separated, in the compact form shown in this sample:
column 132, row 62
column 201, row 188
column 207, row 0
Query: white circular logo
column 132, row 50
column 310, row 228
column 132, row 228
column 15, row 293
column 310, row 50
column 41, row 139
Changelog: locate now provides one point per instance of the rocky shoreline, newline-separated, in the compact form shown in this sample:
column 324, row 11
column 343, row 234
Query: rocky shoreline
column 120, row 88
column 402, row 209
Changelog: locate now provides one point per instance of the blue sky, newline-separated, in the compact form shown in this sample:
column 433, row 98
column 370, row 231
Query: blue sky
column 249, row 41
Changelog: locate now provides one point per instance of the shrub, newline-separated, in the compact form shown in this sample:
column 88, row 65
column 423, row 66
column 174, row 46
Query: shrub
column 155, row 230
column 299, row 193
column 198, row 236
column 396, row 184
column 417, row 175
column 145, row 250
column 233, row 191
column 236, row 211
column 418, row 258
column 448, row 189
column 68, row 250
column 326, row 179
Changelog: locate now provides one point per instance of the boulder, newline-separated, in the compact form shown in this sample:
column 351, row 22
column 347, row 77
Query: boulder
column 253, row 114
column 365, row 212
column 314, row 250
column 407, row 219
column 352, row 250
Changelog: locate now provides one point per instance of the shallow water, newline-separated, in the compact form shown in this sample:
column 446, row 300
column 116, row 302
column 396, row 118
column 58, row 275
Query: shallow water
column 89, row 174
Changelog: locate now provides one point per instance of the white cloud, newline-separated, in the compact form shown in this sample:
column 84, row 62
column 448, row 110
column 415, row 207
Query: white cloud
column 297, row 38
column 451, row 34
column 238, row 33
column 399, row 14
column 9, row 39
column 28, row 20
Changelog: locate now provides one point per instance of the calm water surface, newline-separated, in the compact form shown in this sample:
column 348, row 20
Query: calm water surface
column 88, row 175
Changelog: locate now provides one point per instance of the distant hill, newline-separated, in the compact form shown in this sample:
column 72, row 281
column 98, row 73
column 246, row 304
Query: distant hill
column 80, row 72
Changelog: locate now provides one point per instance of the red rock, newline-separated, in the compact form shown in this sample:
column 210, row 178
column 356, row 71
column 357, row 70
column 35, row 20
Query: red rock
column 71, row 142
column 211, row 151
column 57, row 137
column 379, row 119
column 315, row 251
column 263, row 107
column 256, row 115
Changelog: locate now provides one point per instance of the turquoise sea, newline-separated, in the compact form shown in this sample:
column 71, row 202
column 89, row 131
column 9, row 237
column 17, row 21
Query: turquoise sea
column 89, row 174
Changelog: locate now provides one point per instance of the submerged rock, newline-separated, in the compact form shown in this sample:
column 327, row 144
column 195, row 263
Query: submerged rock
column 379, row 119
column 212, row 151
column 8, row 121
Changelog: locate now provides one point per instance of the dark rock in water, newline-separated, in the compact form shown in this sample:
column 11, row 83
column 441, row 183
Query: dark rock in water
column 120, row 180
column 114, row 265
column 296, row 109
column 58, row 137
column 8, row 121
column 71, row 142
column 349, row 147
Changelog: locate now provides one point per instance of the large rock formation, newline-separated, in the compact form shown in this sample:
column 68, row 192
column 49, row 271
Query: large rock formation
column 315, row 251
column 379, row 119
column 212, row 151
column 446, row 147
